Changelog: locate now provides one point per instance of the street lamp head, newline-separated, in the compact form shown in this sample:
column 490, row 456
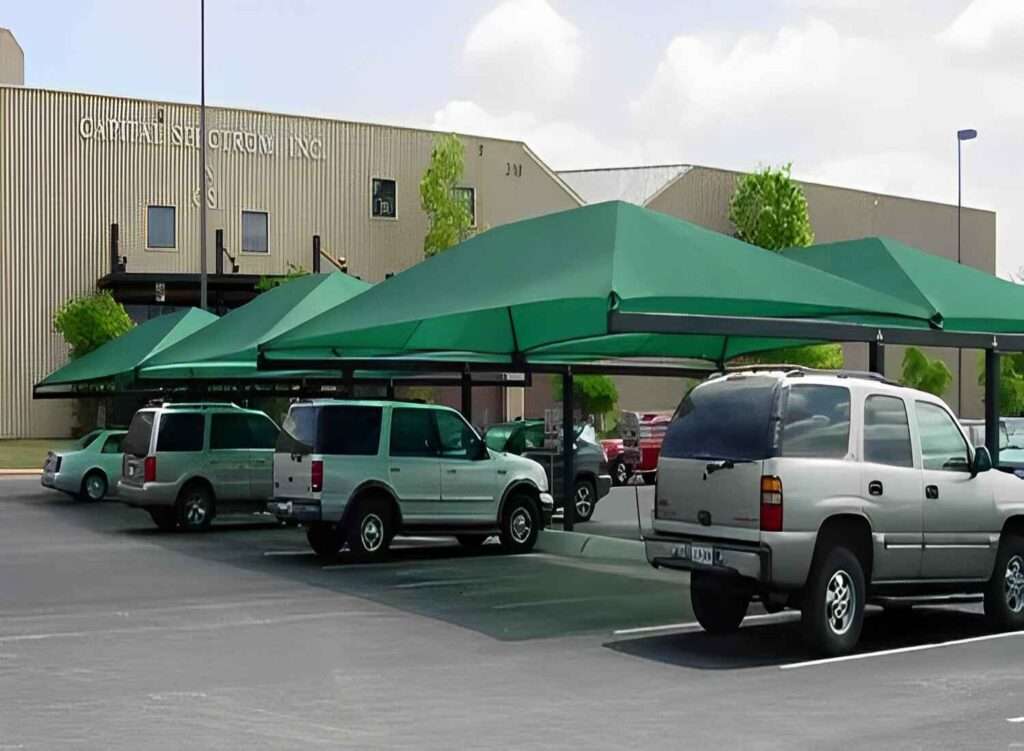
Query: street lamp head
column 966, row 134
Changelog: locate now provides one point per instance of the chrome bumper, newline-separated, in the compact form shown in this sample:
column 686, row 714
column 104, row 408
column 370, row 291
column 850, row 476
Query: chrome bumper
column 752, row 562
column 299, row 511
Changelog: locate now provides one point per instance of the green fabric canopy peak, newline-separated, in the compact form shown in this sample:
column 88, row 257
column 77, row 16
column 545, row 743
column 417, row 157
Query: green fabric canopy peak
column 543, row 288
column 118, row 358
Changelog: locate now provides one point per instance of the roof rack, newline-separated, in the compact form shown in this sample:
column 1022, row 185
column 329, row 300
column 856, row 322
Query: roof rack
column 196, row 405
column 802, row 370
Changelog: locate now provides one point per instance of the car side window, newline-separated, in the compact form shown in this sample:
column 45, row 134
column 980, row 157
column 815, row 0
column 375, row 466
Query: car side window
column 816, row 423
column 262, row 432
column 942, row 445
column 534, row 436
column 887, row 432
column 180, row 432
column 413, row 433
column 229, row 432
column 456, row 437
column 113, row 444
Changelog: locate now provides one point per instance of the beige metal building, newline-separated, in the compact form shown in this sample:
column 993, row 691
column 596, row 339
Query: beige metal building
column 72, row 165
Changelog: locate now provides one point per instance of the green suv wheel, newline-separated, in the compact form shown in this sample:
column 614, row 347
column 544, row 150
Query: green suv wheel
column 195, row 507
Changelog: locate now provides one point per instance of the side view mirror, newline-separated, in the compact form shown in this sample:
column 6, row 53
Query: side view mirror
column 982, row 461
column 480, row 451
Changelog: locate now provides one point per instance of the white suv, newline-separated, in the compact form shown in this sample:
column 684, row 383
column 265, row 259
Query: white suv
column 824, row 491
column 360, row 472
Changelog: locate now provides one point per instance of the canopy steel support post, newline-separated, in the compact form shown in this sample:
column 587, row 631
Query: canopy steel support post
column 876, row 357
column 568, row 454
column 467, row 396
column 992, row 373
column 390, row 390
column 350, row 384
column 316, row 254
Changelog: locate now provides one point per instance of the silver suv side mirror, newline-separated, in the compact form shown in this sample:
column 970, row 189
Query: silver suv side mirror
column 982, row 461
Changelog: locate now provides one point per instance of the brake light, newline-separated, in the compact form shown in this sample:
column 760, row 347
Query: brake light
column 149, row 469
column 771, row 504
column 316, row 480
column 56, row 467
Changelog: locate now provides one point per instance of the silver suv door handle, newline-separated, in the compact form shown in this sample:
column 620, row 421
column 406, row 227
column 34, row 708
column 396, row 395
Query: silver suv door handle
column 396, row 469
column 450, row 471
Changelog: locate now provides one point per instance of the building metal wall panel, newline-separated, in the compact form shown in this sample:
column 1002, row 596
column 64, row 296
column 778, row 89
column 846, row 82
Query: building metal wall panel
column 71, row 164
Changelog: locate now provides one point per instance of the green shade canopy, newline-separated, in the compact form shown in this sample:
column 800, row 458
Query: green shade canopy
column 542, row 289
column 118, row 358
column 962, row 298
column 227, row 348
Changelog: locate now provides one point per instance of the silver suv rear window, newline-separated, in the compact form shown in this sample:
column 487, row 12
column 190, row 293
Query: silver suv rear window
column 136, row 442
column 727, row 419
column 335, row 430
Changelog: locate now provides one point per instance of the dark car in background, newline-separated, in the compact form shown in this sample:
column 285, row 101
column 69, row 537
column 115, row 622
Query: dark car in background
column 527, row 438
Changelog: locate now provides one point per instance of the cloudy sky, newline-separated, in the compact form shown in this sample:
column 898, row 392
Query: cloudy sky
column 861, row 93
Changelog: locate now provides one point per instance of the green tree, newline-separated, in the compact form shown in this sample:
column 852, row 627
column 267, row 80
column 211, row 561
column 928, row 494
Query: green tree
column 593, row 394
column 269, row 282
column 446, row 208
column 924, row 373
column 90, row 321
column 769, row 209
column 1011, row 382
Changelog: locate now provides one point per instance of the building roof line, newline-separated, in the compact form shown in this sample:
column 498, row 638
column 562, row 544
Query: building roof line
column 622, row 169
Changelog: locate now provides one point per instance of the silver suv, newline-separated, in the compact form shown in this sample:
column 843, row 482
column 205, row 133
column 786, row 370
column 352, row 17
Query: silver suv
column 826, row 491
column 359, row 472
column 186, row 463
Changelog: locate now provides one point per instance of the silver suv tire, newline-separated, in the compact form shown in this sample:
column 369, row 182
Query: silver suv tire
column 195, row 507
column 718, row 605
column 1004, row 595
column 833, row 608
column 370, row 529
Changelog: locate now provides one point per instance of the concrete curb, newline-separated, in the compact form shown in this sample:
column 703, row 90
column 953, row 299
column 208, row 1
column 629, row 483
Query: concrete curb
column 20, row 472
column 582, row 545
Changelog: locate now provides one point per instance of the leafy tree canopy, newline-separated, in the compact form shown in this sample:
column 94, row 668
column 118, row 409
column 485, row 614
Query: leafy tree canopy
column 447, row 210
column 90, row 321
column 594, row 394
column 769, row 209
column 269, row 282
column 924, row 373
column 1011, row 382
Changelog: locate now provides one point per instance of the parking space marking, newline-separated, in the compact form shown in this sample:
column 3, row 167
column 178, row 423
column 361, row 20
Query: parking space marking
column 444, row 583
column 781, row 617
column 1015, row 719
column 542, row 603
column 900, row 650
column 288, row 552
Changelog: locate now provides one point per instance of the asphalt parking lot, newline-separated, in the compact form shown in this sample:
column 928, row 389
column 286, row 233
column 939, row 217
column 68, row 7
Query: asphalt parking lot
column 115, row 636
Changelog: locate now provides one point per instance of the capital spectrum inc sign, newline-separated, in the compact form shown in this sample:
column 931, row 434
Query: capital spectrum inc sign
column 187, row 137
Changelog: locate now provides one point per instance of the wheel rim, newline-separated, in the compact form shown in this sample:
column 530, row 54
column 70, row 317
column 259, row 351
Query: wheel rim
column 1014, row 584
column 95, row 487
column 584, row 501
column 196, row 510
column 520, row 525
column 371, row 532
column 621, row 473
column 840, row 602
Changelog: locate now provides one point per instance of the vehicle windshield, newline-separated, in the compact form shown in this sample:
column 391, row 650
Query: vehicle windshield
column 136, row 442
column 726, row 419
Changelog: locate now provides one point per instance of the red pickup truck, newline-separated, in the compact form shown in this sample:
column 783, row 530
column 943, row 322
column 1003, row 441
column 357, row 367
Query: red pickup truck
column 637, row 449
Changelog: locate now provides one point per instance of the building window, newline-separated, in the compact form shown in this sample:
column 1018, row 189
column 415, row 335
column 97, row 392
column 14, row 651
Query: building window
column 383, row 203
column 160, row 227
column 255, row 232
column 468, row 198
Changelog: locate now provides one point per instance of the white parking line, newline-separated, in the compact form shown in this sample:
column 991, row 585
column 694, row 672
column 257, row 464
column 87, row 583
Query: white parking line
column 1015, row 719
column 786, row 616
column 539, row 603
column 900, row 650
column 442, row 583
column 288, row 552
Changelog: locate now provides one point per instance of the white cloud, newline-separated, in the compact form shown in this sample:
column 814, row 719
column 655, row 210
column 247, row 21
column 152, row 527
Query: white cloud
column 984, row 24
column 561, row 144
column 522, row 53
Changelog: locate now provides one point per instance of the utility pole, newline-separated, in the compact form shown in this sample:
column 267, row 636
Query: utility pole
column 202, row 154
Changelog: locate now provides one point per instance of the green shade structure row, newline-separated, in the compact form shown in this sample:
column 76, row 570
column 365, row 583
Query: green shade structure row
column 543, row 290
column 115, row 362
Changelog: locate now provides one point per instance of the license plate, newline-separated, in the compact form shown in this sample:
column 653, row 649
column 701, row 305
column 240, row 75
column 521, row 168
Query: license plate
column 131, row 471
column 702, row 554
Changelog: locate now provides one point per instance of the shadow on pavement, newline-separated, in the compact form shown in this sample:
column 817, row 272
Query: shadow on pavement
column 781, row 643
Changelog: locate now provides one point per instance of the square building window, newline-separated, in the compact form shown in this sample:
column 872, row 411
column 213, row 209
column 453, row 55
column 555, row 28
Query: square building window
column 383, row 199
column 255, row 230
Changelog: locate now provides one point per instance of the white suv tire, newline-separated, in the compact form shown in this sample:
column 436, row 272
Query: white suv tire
column 370, row 529
column 520, row 524
column 833, row 609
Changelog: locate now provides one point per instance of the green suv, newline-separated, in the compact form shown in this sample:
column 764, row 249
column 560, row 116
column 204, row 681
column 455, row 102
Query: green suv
column 187, row 463
column 360, row 472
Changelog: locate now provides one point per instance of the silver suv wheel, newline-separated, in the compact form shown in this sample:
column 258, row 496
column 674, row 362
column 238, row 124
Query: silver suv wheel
column 1014, row 584
column 840, row 602
column 520, row 525
column 196, row 509
column 371, row 533
column 584, row 501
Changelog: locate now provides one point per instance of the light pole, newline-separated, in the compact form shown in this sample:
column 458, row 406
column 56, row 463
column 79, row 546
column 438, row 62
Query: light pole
column 961, row 136
column 202, row 154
